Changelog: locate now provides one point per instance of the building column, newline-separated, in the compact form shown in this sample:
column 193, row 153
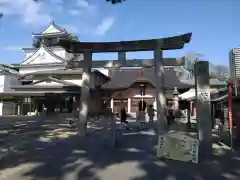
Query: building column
column 155, row 103
column 191, row 108
column 19, row 109
column 14, row 109
column 129, row 105
column 112, row 103
column 30, row 105
column 159, row 91
column 176, row 99
column 203, row 108
column 188, row 116
column 213, row 114
column 85, row 92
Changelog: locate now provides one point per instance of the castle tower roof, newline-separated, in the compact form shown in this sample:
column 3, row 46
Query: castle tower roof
column 52, row 30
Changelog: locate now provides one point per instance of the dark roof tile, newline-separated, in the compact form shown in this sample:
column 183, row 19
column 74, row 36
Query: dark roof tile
column 126, row 77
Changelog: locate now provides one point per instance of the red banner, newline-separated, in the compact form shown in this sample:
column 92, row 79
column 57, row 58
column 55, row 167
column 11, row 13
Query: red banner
column 230, row 90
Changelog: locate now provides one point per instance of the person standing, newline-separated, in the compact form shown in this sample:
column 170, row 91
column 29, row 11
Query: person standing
column 170, row 116
column 151, row 113
column 123, row 116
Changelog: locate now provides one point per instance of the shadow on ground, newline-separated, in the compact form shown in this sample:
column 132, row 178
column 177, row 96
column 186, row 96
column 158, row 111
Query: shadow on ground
column 93, row 158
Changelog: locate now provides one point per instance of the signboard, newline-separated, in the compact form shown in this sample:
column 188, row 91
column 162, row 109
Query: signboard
column 204, row 96
column 178, row 146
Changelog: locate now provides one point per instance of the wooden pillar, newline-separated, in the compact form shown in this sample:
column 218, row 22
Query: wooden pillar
column 44, row 109
column 21, row 108
column 85, row 92
column 36, row 107
column 14, row 109
column 18, row 109
column 203, row 108
column 30, row 105
column 213, row 114
column 188, row 116
column 191, row 108
column 159, row 91
column 154, row 103
column 176, row 99
column 112, row 103
column 129, row 105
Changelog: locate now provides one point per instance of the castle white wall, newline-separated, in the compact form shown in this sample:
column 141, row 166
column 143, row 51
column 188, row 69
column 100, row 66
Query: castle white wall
column 42, row 56
column 10, row 80
column 59, row 52
column 27, row 70
column 69, row 56
column 6, row 81
column 6, row 108
column 28, row 53
column 52, row 83
column 1, row 83
column 56, row 50
column 96, row 80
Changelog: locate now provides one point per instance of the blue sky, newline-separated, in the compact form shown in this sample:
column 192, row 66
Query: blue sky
column 214, row 24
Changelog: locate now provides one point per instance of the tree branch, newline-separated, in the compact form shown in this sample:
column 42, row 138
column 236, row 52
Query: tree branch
column 111, row 1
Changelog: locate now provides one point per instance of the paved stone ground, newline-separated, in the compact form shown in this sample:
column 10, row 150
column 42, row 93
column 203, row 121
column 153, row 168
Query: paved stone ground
column 69, row 157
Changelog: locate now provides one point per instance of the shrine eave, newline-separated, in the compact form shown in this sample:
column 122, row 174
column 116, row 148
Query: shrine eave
column 121, row 79
column 170, row 43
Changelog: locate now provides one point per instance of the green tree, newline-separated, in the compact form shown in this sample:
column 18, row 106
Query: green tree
column 190, row 59
column 36, row 42
column 215, row 71
column 115, row 1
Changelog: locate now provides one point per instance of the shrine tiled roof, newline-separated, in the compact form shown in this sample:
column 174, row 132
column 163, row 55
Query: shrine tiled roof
column 125, row 78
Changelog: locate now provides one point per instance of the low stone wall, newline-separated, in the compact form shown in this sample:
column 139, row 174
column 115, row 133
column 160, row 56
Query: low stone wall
column 10, row 120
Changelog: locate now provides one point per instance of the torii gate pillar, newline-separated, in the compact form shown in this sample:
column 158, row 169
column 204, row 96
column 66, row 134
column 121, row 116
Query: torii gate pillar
column 159, row 91
column 85, row 92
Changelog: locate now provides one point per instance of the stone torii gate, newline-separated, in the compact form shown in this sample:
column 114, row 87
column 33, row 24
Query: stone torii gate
column 155, row 45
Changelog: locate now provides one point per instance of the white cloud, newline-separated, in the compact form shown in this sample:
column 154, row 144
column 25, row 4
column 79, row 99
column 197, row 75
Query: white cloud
column 56, row 5
column 39, row 14
column 71, row 28
column 84, row 4
column 75, row 12
column 83, row 7
column 76, row 30
column 29, row 11
column 104, row 26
